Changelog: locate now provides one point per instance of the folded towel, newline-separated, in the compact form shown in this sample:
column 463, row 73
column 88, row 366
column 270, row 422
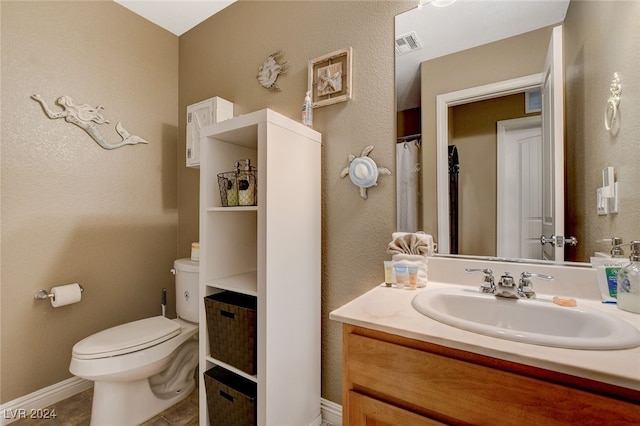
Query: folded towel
column 412, row 243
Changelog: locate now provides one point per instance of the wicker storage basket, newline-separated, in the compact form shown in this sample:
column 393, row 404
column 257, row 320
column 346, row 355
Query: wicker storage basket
column 231, row 399
column 231, row 324
column 239, row 188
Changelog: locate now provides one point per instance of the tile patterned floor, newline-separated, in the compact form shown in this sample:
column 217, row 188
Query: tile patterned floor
column 76, row 411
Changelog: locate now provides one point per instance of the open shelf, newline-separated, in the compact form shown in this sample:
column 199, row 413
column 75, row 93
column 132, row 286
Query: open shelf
column 253, row 378
column 233, row 209
column 246, row 283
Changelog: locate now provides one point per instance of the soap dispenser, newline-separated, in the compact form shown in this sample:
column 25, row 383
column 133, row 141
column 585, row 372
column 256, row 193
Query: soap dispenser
column 629, row 282
column 616, row 247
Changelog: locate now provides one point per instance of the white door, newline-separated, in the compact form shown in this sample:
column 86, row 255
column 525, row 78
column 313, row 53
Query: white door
column 553, row 148
column 519, row 188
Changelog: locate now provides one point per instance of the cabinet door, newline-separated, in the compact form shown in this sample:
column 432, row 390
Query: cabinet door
column 198, row 116
column 202, row 114
column 463, row 392
column 366, row 411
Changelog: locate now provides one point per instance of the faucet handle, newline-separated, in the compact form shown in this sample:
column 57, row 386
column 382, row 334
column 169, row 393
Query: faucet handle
column 488, row 283
column 488, row 272
column 527, row 275
column 525, row 287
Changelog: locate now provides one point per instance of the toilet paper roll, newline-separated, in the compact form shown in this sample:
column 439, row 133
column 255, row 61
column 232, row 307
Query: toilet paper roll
column 66, row 295
column 195, row 251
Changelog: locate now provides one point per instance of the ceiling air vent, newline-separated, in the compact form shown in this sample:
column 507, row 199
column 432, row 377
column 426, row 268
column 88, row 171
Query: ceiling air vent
column 407, row 43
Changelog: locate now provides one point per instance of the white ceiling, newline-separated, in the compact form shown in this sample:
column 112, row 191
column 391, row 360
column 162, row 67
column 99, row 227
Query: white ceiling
column 176, row 16
column 463, row 25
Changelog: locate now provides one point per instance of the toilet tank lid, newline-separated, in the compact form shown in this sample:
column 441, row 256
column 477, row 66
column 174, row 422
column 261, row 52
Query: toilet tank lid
column 186, row 265
column 126, row 338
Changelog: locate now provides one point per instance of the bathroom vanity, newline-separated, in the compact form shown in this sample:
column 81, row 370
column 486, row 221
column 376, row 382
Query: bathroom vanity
column 401, row 367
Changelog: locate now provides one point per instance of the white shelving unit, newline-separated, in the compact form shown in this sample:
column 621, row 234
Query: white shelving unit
column 270, row 251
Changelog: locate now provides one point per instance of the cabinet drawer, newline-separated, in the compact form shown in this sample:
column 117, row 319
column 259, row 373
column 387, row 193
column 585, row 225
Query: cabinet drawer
column 455, row 391
column 366, row 411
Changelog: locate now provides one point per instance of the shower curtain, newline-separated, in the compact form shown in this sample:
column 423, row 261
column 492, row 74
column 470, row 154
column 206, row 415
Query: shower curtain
column 407, row 184
column 454, row 170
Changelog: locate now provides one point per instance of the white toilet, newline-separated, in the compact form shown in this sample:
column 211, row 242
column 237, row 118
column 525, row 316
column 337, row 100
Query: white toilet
column 143, row 367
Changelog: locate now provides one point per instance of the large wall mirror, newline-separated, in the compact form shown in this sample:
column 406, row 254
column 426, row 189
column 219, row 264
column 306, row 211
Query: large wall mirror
column 494, row 145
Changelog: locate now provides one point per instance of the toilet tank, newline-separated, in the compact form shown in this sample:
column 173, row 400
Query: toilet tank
column 187, row 272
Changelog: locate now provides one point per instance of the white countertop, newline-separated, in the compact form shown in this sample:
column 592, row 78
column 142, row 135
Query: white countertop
column 389, row 310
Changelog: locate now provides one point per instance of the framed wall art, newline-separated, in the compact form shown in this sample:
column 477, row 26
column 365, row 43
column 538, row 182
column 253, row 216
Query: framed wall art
column 330, row 78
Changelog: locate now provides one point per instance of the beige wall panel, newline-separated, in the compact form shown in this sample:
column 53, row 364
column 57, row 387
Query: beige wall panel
column 601, row 39
column 72, row 211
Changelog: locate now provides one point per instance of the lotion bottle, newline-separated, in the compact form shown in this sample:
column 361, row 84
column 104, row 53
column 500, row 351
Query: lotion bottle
column 307, row 111
column 629, row 282
column 607, row 269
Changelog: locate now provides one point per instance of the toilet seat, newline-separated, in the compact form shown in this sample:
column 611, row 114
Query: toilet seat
column 126, row 338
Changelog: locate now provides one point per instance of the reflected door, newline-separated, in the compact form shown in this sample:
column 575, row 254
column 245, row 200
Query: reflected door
column 519, row 209
column 553, row 148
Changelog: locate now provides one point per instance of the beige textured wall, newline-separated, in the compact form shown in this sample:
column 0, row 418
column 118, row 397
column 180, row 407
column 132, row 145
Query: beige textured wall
column 601, row 38
column 221, row 57
column 72, row 211
column 502, row 60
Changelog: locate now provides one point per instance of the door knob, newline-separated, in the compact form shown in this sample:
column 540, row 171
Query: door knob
column 558, row 241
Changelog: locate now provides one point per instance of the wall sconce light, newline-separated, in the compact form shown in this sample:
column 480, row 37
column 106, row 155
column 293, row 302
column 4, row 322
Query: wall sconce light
column 436, row 3
column 613, row 103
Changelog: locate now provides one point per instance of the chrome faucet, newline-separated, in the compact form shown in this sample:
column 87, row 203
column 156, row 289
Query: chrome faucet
column 506, row 287
column 488, row 283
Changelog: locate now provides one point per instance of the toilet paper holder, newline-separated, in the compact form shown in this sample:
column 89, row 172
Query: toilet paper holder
column 44, row 294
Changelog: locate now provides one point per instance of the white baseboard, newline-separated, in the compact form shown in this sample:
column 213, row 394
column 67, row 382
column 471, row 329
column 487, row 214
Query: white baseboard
column 25, row 406
column 331, row 412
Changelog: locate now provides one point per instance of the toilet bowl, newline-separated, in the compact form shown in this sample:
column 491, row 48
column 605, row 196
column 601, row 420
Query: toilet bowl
column 143, row 367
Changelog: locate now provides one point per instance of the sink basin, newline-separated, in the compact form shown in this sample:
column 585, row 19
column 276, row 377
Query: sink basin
column 538, row 321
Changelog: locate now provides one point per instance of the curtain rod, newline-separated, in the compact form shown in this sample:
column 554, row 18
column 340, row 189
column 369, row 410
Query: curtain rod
column 409, row 137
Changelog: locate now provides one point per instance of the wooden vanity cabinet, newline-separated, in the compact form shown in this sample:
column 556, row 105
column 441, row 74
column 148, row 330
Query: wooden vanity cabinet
column 392, row 380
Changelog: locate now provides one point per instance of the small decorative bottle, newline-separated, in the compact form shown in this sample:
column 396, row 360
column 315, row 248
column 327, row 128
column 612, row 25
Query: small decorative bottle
column 629, row 282
column 307, row 111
